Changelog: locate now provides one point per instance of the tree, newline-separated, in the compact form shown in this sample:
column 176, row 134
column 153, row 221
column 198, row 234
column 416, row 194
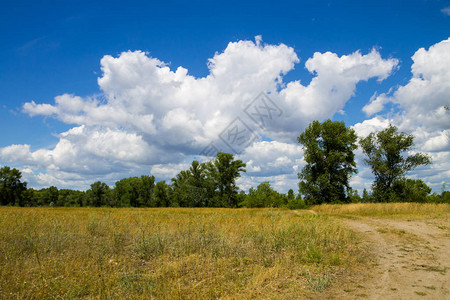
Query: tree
column 296, row 202
column 264, row 196
column 354, row 196
column 161, row 194
column 410, row 190
column 179, row 194
column 329, row 160
column 11, row 187
column 199, row 186
column 385, row 153
column 97, row 194
column 134, row 191
column 366, row 197
column 225, row 170
column 290, row 195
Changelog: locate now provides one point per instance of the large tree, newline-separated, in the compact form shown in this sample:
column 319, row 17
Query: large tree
column 97, row 194
column 161, row 194
column 225, row 170
column 385, row 153
column 11, row 187
column 330, row 162
column 135, row 191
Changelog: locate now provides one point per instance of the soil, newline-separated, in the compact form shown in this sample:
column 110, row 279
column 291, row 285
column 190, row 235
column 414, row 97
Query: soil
column 411, row 260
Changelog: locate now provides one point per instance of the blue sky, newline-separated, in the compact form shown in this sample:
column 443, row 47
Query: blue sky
column 53, row 48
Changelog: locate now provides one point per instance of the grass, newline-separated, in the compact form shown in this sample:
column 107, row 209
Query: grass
column 409, row 210
column 171, row 253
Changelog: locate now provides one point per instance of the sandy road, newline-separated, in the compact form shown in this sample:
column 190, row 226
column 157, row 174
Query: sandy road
column 412, row 260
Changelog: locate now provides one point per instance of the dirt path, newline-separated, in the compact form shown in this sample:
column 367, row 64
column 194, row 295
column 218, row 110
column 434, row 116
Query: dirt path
column 412, row 260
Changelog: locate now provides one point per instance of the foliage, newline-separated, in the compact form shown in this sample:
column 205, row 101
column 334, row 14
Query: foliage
column 366, row 197
column 354, row 196
column 11, row 187
column 385, row 155
column 409, row 190
column 264, row 196
column 97, row 194
column 161, row 194
column 225, row 170
column 135, row 191
column 330, row 162
column 194, row 187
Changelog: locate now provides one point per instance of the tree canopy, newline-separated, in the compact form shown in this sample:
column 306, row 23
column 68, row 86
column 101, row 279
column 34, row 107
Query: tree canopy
column 11, row 187
column 386, row 155
column 328, row 153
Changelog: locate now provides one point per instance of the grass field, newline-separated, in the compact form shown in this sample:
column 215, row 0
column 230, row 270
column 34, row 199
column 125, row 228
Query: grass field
column 389, row 210
column 171, row 253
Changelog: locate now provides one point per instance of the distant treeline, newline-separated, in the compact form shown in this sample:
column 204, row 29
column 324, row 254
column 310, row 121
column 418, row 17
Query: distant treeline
column 208, row 184
column 329, row 156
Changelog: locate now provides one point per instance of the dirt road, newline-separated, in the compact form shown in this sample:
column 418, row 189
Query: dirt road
column 412, row 260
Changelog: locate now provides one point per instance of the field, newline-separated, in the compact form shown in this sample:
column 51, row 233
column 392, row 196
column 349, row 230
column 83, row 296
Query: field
column 171, row 253
column 332, row 251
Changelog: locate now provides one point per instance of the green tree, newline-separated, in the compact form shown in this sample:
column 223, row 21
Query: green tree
column 264, row 196
column 385, row 152
column 296, row 202
column 366, row 197
column 225, row 170
column 330, row 162
column 161, row 194
column 354, row 196
column 410, row 190
column 134, row 191
column 52, row 195
column 201, row 186
column 97, row 194
column 67, row 197
column 290, row 195
column 179, row 194
column 11, row 187
column 194, row 187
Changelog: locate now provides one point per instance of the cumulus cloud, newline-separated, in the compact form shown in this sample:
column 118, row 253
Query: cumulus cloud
column 423, row 104
column 154, row 117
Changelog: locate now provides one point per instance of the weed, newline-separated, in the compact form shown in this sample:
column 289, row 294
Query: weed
column 420, row 293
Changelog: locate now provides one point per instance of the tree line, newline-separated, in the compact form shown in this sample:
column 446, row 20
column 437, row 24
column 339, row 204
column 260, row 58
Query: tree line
column 330, row 162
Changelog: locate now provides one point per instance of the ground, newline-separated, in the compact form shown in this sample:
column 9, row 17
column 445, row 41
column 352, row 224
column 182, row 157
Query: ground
column 356, row 251
column 410, row 259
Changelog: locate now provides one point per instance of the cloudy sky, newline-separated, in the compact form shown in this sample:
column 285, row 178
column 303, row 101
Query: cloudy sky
column 102, row 91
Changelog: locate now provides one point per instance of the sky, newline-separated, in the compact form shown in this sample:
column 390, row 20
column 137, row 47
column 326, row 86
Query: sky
column 106, row 90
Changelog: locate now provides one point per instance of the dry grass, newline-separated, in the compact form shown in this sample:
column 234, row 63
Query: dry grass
column 170, row 253
column 409, row 210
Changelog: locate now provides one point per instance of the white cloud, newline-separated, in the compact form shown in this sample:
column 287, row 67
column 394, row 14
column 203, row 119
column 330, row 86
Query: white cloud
column 422, row 110
column 376, row 104
column 150, row 115
column 371, row 125
column 446, row 10
column 272, row 158
column 334, row 84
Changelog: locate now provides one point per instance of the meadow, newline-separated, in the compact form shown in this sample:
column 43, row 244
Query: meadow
column 388, row 210
column 172, row 253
